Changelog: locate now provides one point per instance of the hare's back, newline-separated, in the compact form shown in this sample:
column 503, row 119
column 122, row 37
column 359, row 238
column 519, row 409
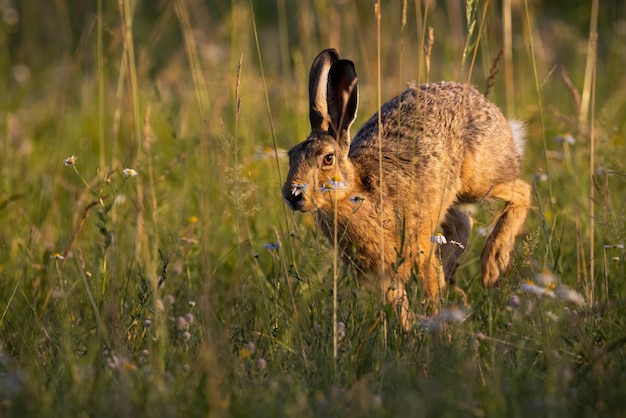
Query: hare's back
column 444, row 110
column 438, row 123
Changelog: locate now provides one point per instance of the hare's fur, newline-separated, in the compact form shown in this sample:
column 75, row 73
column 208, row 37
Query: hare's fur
column 441, row 144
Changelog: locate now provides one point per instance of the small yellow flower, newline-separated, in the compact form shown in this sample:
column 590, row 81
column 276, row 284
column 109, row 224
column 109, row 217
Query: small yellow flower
column 71, row 160
column 129, row 366
column 248, row 350
column 192, row 220
column 245, row 354
column 548, row 215
column 57, row 256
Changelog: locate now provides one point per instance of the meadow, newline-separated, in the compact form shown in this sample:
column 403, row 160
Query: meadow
column 149, row 267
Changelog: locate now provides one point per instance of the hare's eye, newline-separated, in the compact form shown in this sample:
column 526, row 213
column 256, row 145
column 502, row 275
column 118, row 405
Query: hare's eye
column 329, row 159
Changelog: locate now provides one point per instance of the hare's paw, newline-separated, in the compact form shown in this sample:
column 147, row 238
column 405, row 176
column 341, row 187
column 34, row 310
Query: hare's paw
column 495, row 258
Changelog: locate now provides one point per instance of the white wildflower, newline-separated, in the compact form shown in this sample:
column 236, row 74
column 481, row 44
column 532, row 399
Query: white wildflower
column 71, row 160
column 483, row 231
column 539, row 177
column 531, row 287
column 570, row 295
column 438, row 238
column 188, row 240
column 546, row 279
column 565, row 138
column 552, row 316
column 129, row 172
column 452, row 315
column 333, row 184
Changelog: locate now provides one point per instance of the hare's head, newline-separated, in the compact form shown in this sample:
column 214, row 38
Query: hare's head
column 319, row 168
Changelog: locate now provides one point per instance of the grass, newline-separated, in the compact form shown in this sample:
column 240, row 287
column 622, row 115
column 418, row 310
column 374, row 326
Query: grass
column 157, row 294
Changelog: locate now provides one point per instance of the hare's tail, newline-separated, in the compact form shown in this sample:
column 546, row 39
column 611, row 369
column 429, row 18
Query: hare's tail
column 519, row 135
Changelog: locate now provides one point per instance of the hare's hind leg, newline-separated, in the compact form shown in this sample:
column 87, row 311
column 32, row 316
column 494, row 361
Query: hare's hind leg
column 499, row 245
column 456, row 228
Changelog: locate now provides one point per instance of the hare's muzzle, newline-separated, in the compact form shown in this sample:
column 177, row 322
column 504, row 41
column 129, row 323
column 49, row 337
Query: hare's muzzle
column 294, row 196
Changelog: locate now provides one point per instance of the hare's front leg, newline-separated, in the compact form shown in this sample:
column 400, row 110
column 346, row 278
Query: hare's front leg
column 430, row 269
column 395, row 295
column 498, row 247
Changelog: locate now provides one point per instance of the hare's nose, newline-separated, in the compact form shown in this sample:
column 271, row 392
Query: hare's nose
column 294, row 200
column 294, row 195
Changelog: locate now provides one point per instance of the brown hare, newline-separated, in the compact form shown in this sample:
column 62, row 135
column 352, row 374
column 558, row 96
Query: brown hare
column 438, row 145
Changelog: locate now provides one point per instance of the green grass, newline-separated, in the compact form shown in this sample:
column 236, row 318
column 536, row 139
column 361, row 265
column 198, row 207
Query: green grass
column 98, row 270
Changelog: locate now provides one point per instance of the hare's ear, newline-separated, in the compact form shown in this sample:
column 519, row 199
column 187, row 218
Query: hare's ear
column 343, row 98
column 318, row 88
